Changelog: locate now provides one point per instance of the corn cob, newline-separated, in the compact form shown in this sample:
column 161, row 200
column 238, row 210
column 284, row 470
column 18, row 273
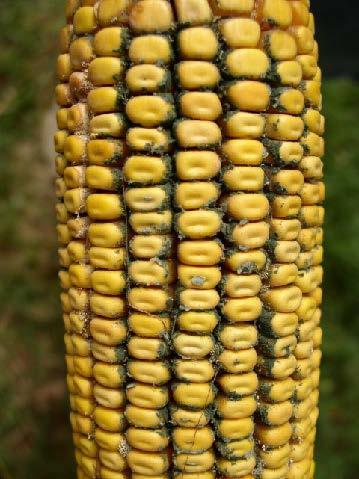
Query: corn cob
column 238, row 86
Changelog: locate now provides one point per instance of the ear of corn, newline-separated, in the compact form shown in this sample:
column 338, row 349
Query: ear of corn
column 189, row 206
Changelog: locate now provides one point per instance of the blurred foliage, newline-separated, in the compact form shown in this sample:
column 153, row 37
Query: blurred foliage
column 34, row 429
column 339, row 419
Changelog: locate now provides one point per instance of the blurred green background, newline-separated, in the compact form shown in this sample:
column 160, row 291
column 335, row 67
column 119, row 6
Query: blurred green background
column 35, row 439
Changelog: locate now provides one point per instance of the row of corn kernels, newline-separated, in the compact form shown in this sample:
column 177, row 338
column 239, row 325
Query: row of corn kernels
column 198, row 223
column 72, row 232
column 308, row 354
column 245, row 234
column 98, row 253
column 147, row 172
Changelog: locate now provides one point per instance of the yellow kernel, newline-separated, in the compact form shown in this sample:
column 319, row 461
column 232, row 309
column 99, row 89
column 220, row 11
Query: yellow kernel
column 77, row 117
column 112, row 12
column 249, row 95
column 84, row 20
column 104, row 206
column 247, row 63
column 198, row 43
column 279, row 45
column 149, row 111
column 146, row 78
column 284, row 127
column 193, row 11
column 105, row 70
column 109, row 42
column 197, row 133
column 108, row 282
column 240, row 32
column 197, row 165
column 242, row 309
column 197, row 74
column 244, row 125
column 148, row 139
column 151, row 16
column 232, row 7
column 200, row 105
column 63, row 95
column 150, row 49
column 199, row 224
column 276, row 12
column 106, row 235
column 244, row 152
column 103, row 100
column 204, row 253
column 195, row 195
column 81, row 53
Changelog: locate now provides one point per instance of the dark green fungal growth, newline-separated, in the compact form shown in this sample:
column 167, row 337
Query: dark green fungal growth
column 121, row 354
